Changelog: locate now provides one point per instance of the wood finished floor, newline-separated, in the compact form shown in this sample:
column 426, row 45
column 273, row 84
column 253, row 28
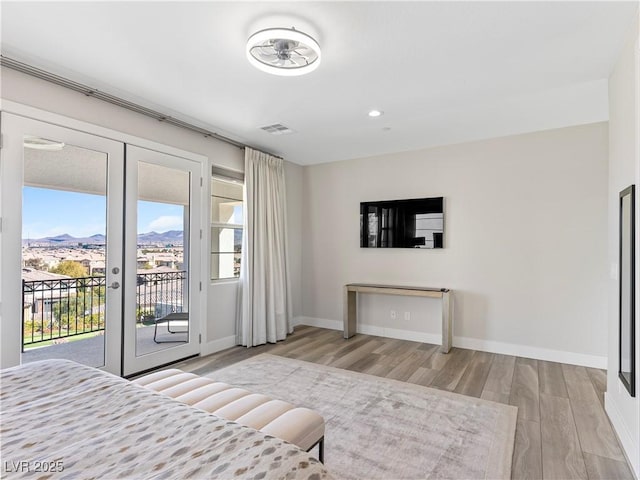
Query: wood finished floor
column 562, row 432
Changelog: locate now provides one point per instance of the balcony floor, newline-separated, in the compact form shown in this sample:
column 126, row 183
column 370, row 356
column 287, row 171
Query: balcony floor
column 90, row 351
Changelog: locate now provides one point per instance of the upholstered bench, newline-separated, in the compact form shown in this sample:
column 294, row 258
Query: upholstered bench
column 301, row 426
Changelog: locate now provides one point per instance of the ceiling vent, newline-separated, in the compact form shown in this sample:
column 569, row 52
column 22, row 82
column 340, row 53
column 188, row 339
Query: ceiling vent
column 277, row 129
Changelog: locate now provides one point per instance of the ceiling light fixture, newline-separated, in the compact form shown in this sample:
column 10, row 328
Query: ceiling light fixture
column 37, row 143
column 375, row 113
column 283, row 51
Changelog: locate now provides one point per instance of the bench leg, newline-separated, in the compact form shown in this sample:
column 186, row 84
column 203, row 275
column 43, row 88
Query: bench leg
column 320, row 445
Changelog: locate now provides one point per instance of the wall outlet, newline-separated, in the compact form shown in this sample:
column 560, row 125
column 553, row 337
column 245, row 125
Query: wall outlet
column 393, row 314
column 407, row 316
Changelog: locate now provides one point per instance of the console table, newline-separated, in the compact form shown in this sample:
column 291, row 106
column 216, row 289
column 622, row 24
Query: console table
column 350, row 312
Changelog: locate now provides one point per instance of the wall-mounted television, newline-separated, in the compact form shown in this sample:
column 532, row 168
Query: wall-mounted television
column 413, row 223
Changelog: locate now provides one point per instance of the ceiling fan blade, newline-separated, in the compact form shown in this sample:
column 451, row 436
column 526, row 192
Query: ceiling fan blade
column 268, row 57
column 262, row 50
column 306, row 58
column 304, row 50
column 298, row 60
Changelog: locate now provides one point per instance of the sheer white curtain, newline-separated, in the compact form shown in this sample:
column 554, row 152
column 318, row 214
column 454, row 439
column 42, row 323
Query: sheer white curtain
column 264, row 300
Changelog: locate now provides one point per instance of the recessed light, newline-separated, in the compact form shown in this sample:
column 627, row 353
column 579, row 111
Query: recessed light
column 375, row 113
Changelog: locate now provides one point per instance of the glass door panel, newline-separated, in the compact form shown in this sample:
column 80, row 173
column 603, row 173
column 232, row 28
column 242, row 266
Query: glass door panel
column 64, row 232
column 162, row 294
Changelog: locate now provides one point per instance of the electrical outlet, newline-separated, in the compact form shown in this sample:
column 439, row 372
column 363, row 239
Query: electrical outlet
column 407, row 316
column 393, row 314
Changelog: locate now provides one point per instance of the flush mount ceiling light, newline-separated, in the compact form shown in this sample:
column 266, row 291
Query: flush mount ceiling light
column 37, row 143
column 375, row 113
column 283, row 51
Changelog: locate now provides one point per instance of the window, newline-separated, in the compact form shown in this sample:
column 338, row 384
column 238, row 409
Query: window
column 226, row 227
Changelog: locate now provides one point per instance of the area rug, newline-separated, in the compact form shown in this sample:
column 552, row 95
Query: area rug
column 378, row 428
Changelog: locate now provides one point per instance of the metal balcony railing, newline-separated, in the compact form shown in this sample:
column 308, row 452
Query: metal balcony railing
column 61, row 308
column 159, row 294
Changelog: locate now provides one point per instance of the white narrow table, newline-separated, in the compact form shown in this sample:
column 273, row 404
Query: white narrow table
column 351, row 290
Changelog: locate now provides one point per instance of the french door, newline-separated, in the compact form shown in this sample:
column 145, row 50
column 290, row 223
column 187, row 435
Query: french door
column 91, row 270
column 162, row 238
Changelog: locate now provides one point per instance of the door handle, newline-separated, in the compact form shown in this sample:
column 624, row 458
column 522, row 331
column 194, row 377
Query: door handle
column 114, row 285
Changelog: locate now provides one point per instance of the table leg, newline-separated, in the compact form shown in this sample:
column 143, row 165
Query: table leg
column 446, row 322
column 350, row 313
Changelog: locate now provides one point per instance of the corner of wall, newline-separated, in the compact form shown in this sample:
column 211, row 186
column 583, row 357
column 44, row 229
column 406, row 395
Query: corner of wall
column 624, row 170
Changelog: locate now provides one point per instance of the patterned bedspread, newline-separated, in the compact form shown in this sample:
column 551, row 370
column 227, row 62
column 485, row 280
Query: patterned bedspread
column 64, row 420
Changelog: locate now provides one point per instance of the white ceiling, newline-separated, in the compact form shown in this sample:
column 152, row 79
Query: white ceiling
column 443, row 72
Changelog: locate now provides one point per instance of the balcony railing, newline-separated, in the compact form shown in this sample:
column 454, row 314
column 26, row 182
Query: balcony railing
column 159, row 294
column 61, row 308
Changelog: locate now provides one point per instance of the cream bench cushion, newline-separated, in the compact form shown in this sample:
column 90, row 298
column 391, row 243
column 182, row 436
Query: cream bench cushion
column 301, row 426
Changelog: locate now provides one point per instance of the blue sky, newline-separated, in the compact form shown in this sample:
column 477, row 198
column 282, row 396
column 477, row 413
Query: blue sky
column 47, row 213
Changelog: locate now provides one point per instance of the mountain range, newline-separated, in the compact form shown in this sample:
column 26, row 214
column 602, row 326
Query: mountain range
column 173, row 237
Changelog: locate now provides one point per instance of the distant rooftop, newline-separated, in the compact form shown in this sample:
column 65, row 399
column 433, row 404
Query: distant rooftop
column 31, row 274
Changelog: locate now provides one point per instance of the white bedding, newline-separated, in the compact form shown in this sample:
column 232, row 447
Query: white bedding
column 60, row 419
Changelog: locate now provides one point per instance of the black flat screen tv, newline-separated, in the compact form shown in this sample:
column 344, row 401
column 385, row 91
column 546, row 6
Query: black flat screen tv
column 414, row 223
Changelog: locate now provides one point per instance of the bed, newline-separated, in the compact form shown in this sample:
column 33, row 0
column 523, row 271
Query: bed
column 64, row 420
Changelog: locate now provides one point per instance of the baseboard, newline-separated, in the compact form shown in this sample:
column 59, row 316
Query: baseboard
column 318, row 322
column 217, row 345
column 537, row 353
column 630, row 445
column 527, row 351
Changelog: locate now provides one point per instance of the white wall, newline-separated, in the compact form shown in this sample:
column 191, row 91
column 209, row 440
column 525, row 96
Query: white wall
column 220, row 325
column 624, row 170
column 525, row 238
column 29, row 90
column 293, row 181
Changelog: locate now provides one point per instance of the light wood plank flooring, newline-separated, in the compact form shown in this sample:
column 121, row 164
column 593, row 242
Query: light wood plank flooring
column 562, row 432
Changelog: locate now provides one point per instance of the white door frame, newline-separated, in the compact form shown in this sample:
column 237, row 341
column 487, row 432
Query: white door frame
column 11, row 230
column 131, row 362
column 14, row 127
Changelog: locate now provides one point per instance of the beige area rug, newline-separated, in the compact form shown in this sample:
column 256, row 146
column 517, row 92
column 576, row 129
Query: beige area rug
column 378, row 428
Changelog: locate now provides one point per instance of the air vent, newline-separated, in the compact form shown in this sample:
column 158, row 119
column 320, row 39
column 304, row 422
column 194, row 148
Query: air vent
column 277, row 129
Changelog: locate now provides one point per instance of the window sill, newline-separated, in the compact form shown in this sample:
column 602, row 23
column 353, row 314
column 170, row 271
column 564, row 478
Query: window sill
column 223, row 281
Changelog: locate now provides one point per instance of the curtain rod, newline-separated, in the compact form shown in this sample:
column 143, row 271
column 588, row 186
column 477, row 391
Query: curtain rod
column 120, row 102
